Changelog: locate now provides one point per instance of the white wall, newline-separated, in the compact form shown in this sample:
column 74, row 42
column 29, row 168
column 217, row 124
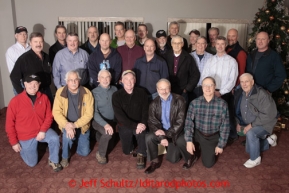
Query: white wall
column 43, row 16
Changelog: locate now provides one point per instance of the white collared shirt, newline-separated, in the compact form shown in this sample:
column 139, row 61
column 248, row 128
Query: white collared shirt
column 224, row 69
column 13, row 53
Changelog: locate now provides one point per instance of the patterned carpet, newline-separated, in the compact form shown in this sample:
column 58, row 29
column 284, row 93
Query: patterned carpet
column 84, row 174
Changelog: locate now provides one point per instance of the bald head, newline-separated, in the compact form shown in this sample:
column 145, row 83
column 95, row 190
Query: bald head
column 104, row 41
column 262, row 41
column 129, row 37
column 149, row 48
column 232, row 37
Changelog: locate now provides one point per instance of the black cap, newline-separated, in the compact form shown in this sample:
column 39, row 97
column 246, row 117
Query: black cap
column 20, row 29
column 161, row 33
column 31, row 78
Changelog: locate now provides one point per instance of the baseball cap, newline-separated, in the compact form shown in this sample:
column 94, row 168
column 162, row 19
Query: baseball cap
column 126, row 72
column 31, row 78
column 161, row 33
column 20, row 29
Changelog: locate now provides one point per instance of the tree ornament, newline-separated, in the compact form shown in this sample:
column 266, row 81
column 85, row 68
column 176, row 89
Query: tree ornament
column 287, row 30
column 267, row 11
column 282, row 28
column 277, row 36
column 259, row 20
column 271, row 17
column 283, row 43
column 286, row 92
column 273, row 1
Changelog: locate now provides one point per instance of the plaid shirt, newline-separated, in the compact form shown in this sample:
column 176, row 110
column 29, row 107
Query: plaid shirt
column 208, row 117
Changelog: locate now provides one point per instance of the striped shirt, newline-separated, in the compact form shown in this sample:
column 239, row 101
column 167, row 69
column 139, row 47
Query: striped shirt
column 201, row 63
column 208, row 117
column 224, row 69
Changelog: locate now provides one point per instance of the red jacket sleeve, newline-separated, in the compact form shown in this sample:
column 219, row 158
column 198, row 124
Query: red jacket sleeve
column 10, row 122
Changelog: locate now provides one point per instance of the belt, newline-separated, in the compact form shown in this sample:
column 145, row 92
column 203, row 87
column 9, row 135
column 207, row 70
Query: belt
column 208, row 134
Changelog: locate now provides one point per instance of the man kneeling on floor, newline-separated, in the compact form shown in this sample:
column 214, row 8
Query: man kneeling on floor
column 208, row 120
column 104, row 122
column 73, row 111
column 166, row 123
column 28, row 122
column 256, row 114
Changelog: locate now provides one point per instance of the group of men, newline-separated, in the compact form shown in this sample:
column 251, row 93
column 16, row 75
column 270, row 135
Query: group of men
column 142, row 88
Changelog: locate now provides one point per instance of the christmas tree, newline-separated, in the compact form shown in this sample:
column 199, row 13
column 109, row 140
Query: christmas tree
column 273, row 18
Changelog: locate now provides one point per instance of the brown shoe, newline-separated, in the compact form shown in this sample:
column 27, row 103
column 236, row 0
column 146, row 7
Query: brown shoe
column 140, row 164
column 101, row 160
column 55, row 166
column 152, row 167
column 192, row 160
column 64, row 162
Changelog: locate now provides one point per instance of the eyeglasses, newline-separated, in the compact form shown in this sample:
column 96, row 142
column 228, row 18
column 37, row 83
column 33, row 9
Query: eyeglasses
column 73, row 80
column 177, row 43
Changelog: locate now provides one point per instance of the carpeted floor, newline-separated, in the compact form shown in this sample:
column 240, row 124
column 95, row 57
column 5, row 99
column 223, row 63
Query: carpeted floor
column 84, row 174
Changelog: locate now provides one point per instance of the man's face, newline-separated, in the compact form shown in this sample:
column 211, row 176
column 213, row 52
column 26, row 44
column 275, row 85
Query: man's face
column 177, row 45
column 104, row 41
column 262, row 41
column 36, row 44
column 129, row 38
column 149, row 48
column 72, row 43
column 161, row 41
column 72, row 82
column 208, row 87
column 232, row 37
column 142, row 32
column 220, row 46
column 32, row 87
column 92, row 34
column 201, row 46
column 128, row 81
column 193, row 38
column 104, row 79
column 246, row 83
column 60, row 34
column 119, row 31
column 213, row 34
column 174, row 30
column 21, row 37
column 164, row 90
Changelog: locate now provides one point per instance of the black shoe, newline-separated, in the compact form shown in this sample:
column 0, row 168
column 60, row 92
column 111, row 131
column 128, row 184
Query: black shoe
column 192, row 160
column 243, row 143
column 232, row 140
column 152, row 167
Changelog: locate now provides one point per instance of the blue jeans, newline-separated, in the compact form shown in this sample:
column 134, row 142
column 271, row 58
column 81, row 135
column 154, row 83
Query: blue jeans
column 256, row 141
column 29, row 152
column 83, row 148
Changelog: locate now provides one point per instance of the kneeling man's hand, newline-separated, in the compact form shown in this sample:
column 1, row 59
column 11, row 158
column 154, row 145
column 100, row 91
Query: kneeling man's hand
column 164, row 142
column 40, row 136
column 190, row 147
column 218, row 150
column 16, row 147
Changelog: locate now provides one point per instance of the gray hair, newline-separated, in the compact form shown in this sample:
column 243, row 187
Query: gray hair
column 211, row 78
column 248, row 75
column 174, row 23
column 175, row 37
column 202, row 37
column 92, row 26
column 214, row 28
column 103, row 70
column 164, row 80
column 72, row 72
column 221, row 38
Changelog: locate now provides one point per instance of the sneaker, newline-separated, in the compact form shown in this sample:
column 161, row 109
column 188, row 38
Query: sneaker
column 101, row 160
column 64, row 162
column 140, row 161
column 272, row 140
column 55, row 166
column 252, row 163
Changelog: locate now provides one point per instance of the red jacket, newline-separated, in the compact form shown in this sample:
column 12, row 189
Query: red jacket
column 25, row 120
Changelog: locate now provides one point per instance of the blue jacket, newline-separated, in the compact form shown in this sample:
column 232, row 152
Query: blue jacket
column 269, row 72
column 148, row 73
column 97, row 62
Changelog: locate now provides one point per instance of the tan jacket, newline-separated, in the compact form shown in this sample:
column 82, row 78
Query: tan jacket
column 85, row 107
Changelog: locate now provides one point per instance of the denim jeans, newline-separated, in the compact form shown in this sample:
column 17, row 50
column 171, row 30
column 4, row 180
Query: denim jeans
column 256, row 141
column 29, row 152
column 83, row 148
